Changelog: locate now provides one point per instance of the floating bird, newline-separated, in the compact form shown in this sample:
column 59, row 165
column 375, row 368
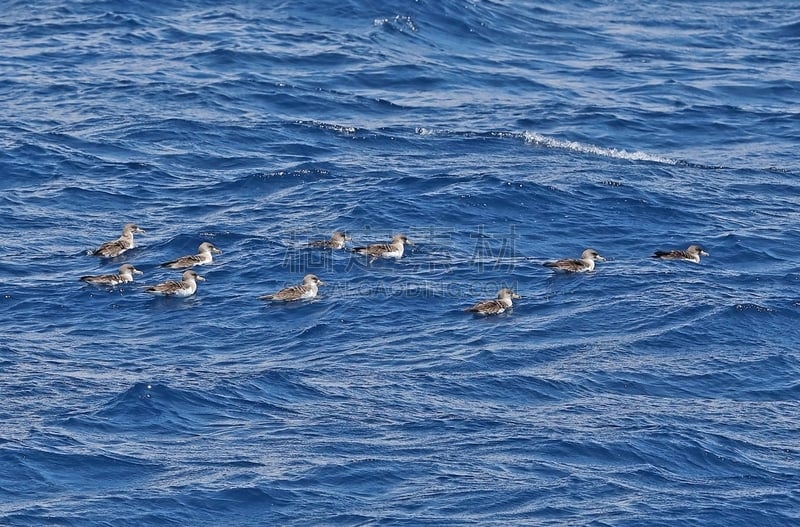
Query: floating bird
column 125, row 274
column 186, row 287
column 386, row 250
column 308, row 289
column 581, row 265
column 121, row 244
column 203, row 256
column 497, row 305
column 692, row 254
column 337, row 241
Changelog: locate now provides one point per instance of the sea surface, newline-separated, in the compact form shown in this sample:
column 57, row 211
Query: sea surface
column 496, row 135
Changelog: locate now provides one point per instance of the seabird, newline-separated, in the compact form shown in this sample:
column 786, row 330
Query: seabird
column 203, row 256
column 125, row 274
column 691, row 254
column 337, row 241
column 496, row 305
column 308, row 289
column 581, row 265
column 386, row 250
column 186, row 287
column 121, row 244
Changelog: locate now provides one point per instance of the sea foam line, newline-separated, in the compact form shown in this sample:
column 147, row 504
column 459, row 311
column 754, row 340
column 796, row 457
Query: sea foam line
column 575, row 146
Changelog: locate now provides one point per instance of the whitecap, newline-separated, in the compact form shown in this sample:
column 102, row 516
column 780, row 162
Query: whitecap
column 585, row 148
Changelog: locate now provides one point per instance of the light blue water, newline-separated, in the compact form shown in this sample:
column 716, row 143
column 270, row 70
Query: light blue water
column 496, row 136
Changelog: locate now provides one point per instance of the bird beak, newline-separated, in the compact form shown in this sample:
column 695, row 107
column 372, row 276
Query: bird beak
column 200, row 278
column 136, row 271
column 216, row 251
column 704, row 253
column 516, row 296
column 320, row 282
column 139, row 230
column 600, row 258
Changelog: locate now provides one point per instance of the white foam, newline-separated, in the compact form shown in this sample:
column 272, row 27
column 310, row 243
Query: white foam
column 399, row 22
column 426, row 131
column 584, row 148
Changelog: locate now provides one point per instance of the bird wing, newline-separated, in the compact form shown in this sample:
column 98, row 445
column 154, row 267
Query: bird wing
column 166, row 288
column 321, row 244
column 184, row 261
column 674, row 254
column 567, row 264
column 111, row 249
column 487, row 307
column 102, row 279
column 374, row 250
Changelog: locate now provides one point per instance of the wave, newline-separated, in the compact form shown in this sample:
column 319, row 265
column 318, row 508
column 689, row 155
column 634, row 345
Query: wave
column 585, row 148
column 545, row 141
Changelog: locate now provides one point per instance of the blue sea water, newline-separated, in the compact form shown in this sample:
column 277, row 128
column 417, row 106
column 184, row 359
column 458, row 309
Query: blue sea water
column 496, row 135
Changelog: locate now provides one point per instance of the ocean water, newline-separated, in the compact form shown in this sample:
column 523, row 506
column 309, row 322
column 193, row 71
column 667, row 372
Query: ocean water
column 496, row 135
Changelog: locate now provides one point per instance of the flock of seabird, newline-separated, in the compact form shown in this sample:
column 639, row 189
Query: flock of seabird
column 307, row 290
column 187, row 285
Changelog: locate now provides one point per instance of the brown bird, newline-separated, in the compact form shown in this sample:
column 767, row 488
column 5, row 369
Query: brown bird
column 186, row 287
column 307, row 290
column 394, row 249
column 691, row 254
column 125, row 274
column 204, row 256
column 497, row 305
column 121, row 244
column 337, row 241
column 583, row 264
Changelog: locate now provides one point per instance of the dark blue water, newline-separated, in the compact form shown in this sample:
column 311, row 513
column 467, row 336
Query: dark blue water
column 496, row 135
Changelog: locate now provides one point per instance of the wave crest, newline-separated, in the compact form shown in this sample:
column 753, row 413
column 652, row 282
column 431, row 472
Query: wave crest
column 585, row 148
